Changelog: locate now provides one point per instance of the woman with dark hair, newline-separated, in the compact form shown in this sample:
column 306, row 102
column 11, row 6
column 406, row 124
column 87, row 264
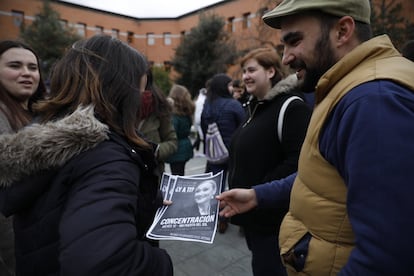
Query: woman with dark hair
column 81, row 183
column 156, row 122
column 21, row 85
column 156, row 126
column 228, row 114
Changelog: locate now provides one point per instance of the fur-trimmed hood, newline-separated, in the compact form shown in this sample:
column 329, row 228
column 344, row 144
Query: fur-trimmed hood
column 286, row 85
column 44, row 146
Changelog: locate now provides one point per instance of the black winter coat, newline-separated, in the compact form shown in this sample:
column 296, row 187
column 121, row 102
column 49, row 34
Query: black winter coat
column 87, row 203
column 257, row 156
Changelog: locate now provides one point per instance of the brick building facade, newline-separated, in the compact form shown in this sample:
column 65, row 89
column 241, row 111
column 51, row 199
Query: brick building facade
column 155, row 37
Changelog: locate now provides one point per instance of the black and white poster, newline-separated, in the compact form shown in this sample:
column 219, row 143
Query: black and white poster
column 193, row 215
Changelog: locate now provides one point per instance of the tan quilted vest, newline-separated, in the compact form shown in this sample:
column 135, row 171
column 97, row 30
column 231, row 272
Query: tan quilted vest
column 318, row 197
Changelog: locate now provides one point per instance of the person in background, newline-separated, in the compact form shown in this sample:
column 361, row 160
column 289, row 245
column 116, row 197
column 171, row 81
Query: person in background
column 183, row 110
column 408, row 50
column 156, row 122
column 239, row 92
column 156, row 126
column 81, row 182
column 258, row 154
column 351, row 201
column 228, row 114
column 199, row 103
column 21, row 85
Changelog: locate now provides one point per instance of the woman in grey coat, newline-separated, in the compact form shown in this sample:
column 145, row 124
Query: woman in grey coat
column 20, row 86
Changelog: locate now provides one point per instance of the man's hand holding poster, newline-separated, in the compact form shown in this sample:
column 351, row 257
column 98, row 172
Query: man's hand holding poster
column 193, row 214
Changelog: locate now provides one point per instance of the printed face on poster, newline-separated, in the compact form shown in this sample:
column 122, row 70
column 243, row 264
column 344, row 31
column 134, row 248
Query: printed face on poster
column 194, row 212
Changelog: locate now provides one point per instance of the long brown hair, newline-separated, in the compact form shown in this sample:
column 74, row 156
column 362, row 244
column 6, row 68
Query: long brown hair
column 16, row 115
column 104, row 72
column 182, row 103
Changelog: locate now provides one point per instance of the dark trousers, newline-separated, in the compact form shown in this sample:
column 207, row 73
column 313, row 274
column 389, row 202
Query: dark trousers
column 7, row 261
column 266, row 260
column 178, row 168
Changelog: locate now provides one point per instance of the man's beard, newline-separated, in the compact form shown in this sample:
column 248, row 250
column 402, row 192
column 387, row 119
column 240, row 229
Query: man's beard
column 322, row 64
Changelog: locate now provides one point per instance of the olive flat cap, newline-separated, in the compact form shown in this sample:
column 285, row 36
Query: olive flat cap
column 360, row 10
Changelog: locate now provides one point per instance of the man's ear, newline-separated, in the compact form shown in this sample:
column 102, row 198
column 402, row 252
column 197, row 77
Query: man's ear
column 344, row 30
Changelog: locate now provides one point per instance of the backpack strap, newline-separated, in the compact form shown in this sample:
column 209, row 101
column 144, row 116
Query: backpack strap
column 282, row 115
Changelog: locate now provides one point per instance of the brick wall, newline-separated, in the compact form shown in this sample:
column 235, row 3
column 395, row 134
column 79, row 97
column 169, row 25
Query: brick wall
column 155, row 37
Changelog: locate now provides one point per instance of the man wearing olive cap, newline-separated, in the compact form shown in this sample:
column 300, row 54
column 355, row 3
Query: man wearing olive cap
column 351, row 202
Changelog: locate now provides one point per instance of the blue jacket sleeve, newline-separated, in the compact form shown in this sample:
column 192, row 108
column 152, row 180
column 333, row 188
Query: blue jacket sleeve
column 369, row 138
column 276, row 193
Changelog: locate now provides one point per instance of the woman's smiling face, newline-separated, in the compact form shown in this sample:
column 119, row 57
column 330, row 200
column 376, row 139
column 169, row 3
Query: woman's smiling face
column 204, row 192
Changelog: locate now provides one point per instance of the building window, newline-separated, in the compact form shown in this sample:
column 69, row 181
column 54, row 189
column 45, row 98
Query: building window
column 150, row 39
column 246, row 21
column 99, row 30
column 81, row 29
column 63, row 23
column 18, row 17
column 130, row 37
column 231, row 28
column 167, row 38
column 115, row 33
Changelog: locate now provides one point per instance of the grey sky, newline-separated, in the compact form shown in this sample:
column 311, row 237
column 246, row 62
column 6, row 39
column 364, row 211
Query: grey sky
column 146, row 8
